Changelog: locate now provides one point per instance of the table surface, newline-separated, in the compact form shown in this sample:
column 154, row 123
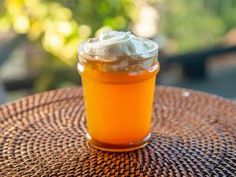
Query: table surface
column 193, row 134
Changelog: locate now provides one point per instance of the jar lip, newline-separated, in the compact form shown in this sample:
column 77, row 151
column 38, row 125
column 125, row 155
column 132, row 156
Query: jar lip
column 148, row 54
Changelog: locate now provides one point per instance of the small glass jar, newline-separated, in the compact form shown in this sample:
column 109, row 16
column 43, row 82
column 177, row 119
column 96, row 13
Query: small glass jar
column 118, row 95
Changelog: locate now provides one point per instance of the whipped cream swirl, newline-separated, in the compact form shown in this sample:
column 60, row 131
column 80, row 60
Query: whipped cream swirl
column 118, row 51
column 114, row 43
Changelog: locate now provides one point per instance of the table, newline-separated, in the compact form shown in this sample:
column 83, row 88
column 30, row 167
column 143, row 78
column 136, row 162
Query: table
column 193, row 134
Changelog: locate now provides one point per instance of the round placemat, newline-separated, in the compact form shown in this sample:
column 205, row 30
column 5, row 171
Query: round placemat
column 193, row 134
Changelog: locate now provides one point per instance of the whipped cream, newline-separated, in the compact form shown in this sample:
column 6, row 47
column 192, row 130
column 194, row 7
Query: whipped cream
column 118, row 51
column 115, row 43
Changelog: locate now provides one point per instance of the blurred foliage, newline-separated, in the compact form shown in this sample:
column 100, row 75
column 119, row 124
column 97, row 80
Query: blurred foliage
column 55, row 74
column 61, row 25
column 58, row 27
column 192, row 25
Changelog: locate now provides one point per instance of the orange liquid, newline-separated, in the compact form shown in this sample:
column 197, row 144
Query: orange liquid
column 118, row 105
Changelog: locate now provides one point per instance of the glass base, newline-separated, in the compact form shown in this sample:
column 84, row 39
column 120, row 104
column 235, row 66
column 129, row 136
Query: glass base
column 118, row 147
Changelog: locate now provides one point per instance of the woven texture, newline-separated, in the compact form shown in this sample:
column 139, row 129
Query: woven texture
column 193, row 134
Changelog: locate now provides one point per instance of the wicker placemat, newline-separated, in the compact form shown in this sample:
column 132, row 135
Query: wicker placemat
column 194, row 134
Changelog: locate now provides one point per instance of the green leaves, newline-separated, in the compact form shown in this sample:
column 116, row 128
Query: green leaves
column 190, row 25
column 61, row 25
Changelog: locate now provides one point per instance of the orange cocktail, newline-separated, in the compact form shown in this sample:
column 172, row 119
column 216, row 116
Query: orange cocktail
column 118, row 103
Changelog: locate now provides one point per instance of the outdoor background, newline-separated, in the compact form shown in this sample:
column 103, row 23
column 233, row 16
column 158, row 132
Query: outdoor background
column 39, row 39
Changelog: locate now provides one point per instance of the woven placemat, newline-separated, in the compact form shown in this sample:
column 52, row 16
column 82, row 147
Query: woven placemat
column 194, row 134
